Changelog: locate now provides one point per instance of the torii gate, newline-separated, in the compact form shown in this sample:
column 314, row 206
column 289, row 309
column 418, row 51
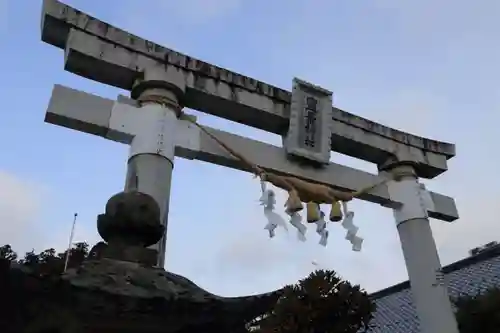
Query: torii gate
column 163, row 80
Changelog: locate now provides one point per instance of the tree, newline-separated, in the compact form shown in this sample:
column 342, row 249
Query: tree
column 31, row 259
column 479, row 312
column 78, row 253
column 48, row 261
column 320, row 303
column 7, row 253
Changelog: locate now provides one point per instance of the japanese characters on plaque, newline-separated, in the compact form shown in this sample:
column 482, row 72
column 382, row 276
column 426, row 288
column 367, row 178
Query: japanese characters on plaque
column 309, row 131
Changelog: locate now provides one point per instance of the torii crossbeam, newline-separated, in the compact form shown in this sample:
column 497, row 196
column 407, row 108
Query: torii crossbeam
column 164, row 81
column 92, row 114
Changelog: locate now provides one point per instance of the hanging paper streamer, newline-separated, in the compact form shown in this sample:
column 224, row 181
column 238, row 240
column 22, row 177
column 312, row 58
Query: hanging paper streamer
column 262, row 186
column 268, row 200
column 321, row 223
column 296, row 221
column 357, row 243
column 348, row 224
column 314, row 192
column 352, row 230
column 273, row 221
column 324, row 237
column 321, row 229
column 271, row 224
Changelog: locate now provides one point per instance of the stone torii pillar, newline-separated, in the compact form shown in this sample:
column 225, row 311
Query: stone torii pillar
column 151, row 158
column 429, row 290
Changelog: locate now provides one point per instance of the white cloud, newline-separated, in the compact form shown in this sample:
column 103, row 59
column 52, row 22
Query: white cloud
column 27, row 217
column 21, row 203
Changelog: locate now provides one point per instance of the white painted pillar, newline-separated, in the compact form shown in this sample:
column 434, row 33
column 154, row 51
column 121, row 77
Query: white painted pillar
column 429, row 290
column 151, row 161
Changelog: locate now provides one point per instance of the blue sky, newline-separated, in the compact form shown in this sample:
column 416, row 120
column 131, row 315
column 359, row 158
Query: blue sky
column 426, row 67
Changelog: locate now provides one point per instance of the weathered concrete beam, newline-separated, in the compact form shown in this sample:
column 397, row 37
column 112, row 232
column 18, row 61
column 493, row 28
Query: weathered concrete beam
column 228, row 94
column 91, row 114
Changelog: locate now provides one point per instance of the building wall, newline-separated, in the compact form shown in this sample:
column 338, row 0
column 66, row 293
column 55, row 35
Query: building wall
column 395, row 312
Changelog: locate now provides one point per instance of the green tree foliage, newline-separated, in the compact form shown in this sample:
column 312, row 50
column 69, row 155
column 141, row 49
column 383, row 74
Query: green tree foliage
column 47, row 261
column 320, row 303
column 7, row 253
column 480, row 312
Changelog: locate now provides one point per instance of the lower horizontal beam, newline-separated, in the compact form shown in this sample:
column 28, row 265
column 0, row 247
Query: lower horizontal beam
column 89, row 113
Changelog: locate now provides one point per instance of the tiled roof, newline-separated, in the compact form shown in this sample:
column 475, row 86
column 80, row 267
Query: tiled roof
column 395, row 311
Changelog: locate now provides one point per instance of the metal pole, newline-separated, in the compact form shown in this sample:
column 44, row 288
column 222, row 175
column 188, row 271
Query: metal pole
column 70, row 243
column 428, row 287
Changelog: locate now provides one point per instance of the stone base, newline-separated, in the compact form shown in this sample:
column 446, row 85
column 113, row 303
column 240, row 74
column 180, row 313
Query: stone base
column 136, row 254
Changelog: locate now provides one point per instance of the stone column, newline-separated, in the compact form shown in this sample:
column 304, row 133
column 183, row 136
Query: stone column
column 151, row 159
column 428, row 287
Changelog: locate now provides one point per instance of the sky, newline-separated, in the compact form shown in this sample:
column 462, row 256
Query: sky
column 425, row 67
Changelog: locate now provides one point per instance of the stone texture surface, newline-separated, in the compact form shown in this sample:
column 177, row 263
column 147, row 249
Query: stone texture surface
column 135, row 280
column 131, row 219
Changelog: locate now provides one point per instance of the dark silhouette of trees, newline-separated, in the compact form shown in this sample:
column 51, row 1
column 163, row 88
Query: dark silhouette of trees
column 479, row 312
column 7, row 253
column 320, row 303
column 47, row 261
